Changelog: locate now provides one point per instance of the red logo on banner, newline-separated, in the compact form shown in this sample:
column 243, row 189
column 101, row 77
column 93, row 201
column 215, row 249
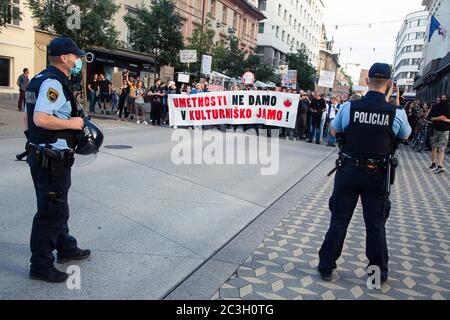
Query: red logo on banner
column 287, row 103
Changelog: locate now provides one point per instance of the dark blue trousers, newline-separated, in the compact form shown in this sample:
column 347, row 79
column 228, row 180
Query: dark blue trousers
column 350, row 184
column 50, row 230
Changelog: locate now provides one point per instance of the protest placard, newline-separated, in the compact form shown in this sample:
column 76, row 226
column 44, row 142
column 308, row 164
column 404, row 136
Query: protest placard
column 234, row 107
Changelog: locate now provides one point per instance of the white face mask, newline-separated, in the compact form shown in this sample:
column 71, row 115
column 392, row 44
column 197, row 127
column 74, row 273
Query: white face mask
column 76, row 69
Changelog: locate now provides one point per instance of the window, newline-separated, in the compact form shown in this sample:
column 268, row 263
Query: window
column 235, row 20
column 290, row 19
column 5, row 72
column 279, row 9
column 252, row 30
column 244, row 27
column 262, row 5
column 277, row 32
column 212, row 8
column 13, row 7
column 132, row 13
column 288, row 38
column 224, row 15
column 283, row 35
column 261, row 27
column 285, row 14
column 418, row 48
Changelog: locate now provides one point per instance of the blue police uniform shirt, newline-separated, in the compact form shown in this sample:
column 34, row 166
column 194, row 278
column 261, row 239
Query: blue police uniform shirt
column 400, row 127
column 60, row 108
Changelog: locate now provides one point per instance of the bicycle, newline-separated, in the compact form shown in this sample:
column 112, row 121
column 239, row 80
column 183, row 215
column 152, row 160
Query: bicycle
column 420, row 140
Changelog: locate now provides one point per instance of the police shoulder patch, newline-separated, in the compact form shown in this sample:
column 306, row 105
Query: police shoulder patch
column 52, row 95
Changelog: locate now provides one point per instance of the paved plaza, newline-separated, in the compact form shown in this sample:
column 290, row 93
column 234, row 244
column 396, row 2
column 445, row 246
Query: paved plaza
column 163, row 231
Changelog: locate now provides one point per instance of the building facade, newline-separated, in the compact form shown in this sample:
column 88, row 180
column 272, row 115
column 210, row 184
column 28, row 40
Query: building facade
column 328, row 61
column 289, row 24
column 17, row 51
column 409, row 49
column 241, row 15
column 24, row 46
column 434, row 77
column 113, row 61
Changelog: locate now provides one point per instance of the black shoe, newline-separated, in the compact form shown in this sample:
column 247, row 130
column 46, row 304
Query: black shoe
column 309, row 141
column 433, row 166
column 79, row 255
column 55, row 276
column 325, row 276
column 317, row 142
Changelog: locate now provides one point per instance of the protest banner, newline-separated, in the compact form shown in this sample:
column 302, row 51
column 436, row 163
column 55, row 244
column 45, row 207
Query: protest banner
column 326, row 79
column 183, row 78
column 248, row 78
column 216, row 83
column 206, row 65
column 188, row 56
column 234, row 107
column 117, row 80
column 290, row 79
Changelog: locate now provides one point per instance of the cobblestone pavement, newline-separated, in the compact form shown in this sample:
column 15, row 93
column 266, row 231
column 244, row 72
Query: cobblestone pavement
column 284, row 265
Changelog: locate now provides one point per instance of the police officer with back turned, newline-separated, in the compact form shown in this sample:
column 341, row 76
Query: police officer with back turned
column 368, row 130
column 53, row 122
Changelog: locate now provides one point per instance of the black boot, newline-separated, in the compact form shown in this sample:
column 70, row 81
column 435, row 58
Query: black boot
column 78, row 255
column 55, row 276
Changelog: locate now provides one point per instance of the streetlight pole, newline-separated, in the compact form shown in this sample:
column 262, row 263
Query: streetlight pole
column 202, row 36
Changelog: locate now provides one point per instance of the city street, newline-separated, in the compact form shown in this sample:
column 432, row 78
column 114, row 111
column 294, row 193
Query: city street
column 149, row 222
column 159, row 230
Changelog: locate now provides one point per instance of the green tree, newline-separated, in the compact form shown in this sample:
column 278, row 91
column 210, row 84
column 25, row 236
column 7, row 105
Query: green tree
column 157, row 31
column 87, row 22
column 96, row 25
column 8, row 12
column 231, row 59
column 202, row 40
column 263, row 72
column 349, row 79
column 306, row 72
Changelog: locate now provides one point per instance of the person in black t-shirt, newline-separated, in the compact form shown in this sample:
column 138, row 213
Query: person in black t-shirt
column 316, row 107
column 302, row 109
column 105, row 93
column 124, row 92
column 440, row 116
column 156, row 93
column 93, row 93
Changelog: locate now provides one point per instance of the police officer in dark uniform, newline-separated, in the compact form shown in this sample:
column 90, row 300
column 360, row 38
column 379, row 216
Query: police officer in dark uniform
column 52, row 126
column 367, row 129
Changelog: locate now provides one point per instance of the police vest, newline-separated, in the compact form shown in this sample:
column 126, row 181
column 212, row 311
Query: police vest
column 37, row 135
column 370, row 133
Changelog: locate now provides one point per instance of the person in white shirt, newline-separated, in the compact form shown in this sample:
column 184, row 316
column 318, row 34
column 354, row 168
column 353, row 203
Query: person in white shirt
column 331, row 114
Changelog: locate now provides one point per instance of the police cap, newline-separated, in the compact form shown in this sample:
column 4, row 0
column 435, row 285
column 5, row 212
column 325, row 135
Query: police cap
column 64, row 45
column 380, row 71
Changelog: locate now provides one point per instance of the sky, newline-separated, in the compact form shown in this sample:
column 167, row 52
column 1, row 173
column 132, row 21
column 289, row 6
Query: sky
column 363, row 39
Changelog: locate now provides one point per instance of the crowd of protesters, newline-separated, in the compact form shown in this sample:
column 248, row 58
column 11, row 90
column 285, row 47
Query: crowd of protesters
column 132, row 102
